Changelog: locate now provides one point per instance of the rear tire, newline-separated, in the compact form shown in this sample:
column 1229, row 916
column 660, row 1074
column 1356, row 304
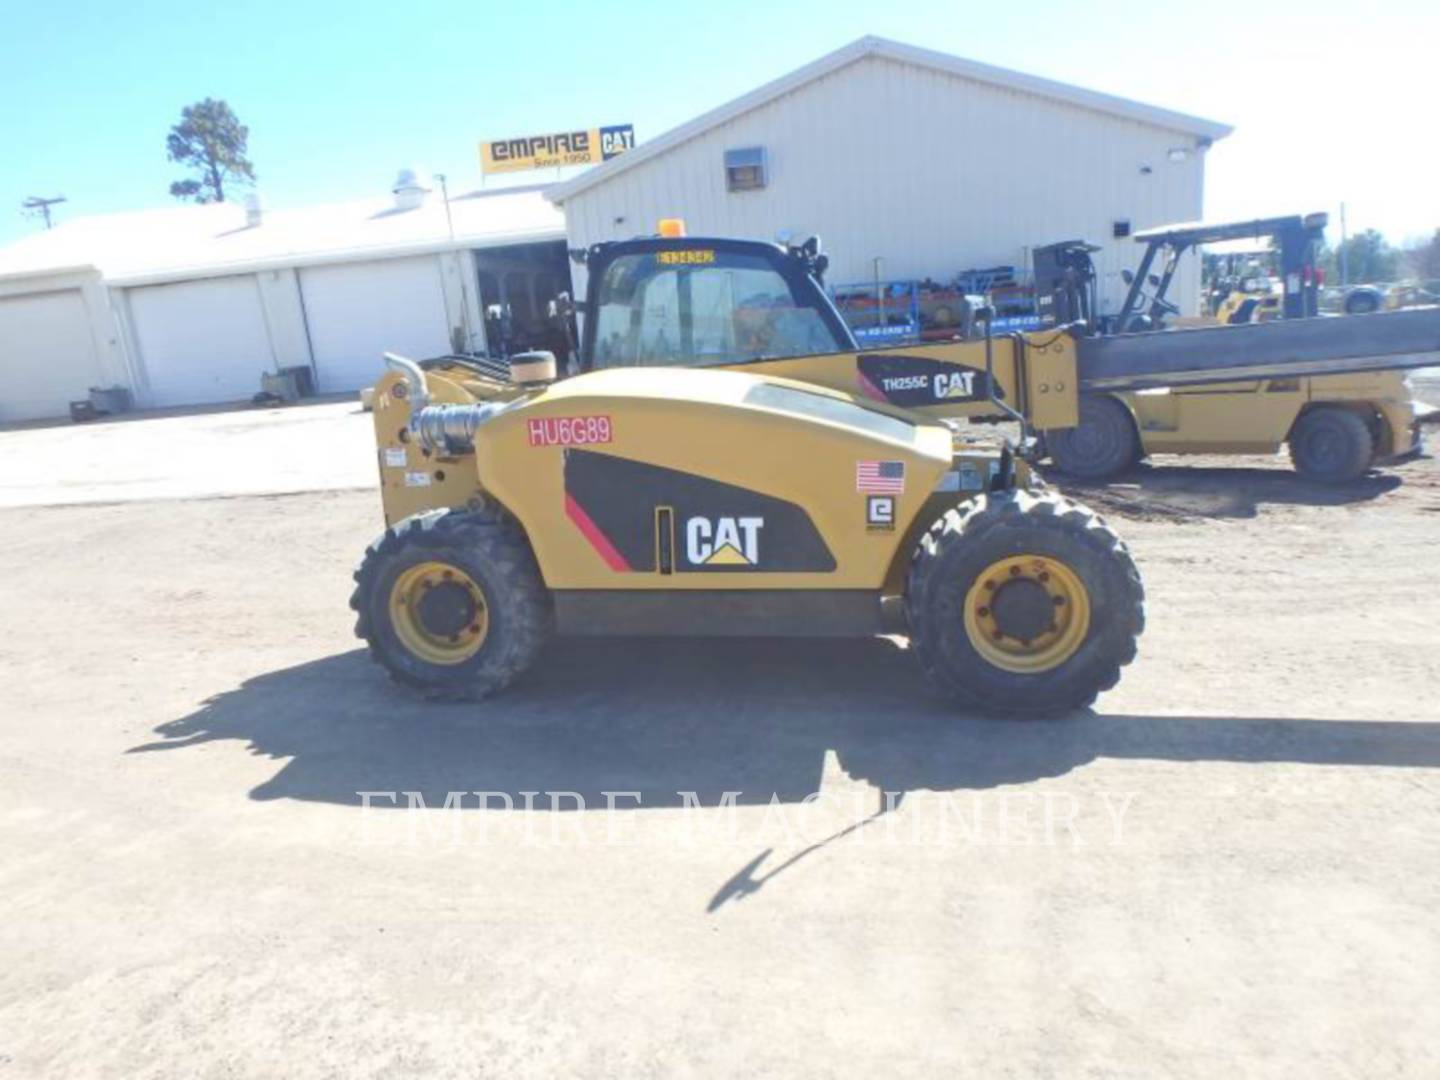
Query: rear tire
column 1362, row 302
column 1037, row 539
column 1331, row 445
column 1102, row 445
column 490, row 615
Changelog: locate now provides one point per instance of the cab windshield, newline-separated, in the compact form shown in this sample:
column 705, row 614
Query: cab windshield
column 699, row 306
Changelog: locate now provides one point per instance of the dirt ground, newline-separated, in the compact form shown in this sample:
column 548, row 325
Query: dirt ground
column 1230, row 867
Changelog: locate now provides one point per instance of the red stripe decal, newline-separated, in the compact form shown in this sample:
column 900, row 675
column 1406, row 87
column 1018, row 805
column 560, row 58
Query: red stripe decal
column 868, row 388
column 598, row 540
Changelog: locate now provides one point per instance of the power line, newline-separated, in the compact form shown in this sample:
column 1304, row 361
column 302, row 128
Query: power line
column 36, row 203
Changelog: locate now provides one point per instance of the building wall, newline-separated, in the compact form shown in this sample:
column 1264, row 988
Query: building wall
column 930, row 172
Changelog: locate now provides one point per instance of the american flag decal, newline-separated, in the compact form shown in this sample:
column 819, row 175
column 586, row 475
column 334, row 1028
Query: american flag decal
column 880, row 477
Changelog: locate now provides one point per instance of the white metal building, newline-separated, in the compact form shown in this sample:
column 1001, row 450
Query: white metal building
column 191, row 304
column 930, row 163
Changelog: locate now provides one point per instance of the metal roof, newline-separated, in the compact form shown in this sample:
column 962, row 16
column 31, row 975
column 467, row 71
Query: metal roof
column 871, row 46
column 180, row 242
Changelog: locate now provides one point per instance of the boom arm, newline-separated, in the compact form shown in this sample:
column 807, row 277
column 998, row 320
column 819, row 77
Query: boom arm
column 1288, row 348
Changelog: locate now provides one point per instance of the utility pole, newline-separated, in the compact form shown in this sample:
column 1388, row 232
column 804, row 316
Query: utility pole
column 1344, row 255
column 35, row 202
column 467, row 266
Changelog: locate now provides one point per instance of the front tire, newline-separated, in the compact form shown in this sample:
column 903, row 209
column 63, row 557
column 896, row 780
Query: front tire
column 1024, row 602
column 1102, row 445
column 1332, row 445
column 1363, row 302
column 451, row 603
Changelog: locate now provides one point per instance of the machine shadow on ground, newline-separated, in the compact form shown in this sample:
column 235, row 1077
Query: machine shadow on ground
column 1160, row 492
column 660, row 717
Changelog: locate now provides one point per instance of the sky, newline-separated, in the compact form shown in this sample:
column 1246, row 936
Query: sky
column 1331, row 102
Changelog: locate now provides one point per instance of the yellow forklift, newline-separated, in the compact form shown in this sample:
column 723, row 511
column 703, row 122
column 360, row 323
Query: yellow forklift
column 1336, row 426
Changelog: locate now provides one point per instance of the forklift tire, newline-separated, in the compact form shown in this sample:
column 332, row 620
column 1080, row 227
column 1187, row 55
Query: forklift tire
column 451, row 603
column 1332, row 445
column 1102, row 445
column 1023, row 602
column 1363, row 302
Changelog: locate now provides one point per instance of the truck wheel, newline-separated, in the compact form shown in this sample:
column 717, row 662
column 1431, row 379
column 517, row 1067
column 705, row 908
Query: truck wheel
column 452, row 603
column 1331, row 445
column 1103, row 444
column 1024, row 602
column 1362, row 302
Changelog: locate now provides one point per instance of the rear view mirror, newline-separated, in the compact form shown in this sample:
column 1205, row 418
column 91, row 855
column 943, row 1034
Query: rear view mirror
column 1154, row 280
column 1127, row 276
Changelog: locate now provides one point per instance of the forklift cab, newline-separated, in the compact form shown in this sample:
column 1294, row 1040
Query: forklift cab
column 1242, row 286
column 1297, row 242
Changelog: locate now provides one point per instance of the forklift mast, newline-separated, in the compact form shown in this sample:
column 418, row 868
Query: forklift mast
column 1297, row 239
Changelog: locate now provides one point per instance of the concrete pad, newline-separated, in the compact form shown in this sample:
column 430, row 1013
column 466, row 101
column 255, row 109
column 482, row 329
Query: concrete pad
column 246, row 451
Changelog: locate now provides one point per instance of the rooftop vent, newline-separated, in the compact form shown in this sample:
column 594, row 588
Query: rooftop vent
column 410, row 189
column 254, row 209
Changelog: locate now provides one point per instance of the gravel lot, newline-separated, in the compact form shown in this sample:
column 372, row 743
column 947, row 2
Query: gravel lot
column 1231, row 866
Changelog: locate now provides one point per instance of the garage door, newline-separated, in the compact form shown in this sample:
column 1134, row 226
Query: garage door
column 46, row 353
column 356, row 311
column 201, row 341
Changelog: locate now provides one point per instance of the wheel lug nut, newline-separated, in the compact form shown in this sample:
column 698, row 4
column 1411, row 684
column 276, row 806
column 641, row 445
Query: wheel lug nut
column 990, row 585
column 982, row 612
column 1059, row 601
column 999, row 635
column 1014, row 571
column 1044, row 575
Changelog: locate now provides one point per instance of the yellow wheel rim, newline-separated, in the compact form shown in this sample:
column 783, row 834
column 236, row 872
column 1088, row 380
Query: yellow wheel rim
column 439, row 613
column 1027, row 613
